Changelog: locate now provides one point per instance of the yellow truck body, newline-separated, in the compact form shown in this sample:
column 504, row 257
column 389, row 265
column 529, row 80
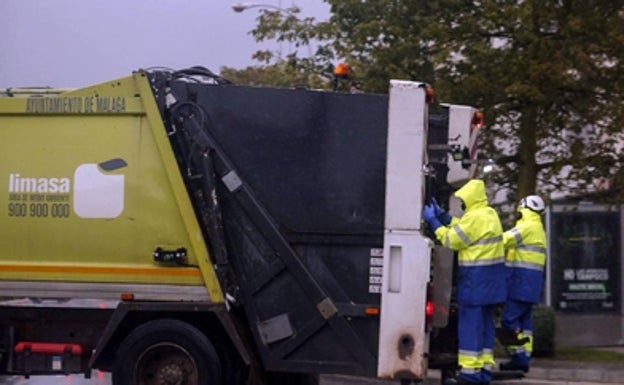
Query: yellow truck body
column 90, row 191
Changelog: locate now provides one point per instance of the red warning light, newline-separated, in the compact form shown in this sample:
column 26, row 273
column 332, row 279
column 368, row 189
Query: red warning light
column 429, row 309
column 429, row 95
column 477, row 118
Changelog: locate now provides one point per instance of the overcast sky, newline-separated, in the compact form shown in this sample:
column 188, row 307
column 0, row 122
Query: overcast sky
column 75, row 43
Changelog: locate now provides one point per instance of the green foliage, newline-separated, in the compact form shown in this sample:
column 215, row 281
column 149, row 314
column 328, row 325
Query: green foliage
column 552, row 84
column 585, row 354
column 309, row 64
column 548, row 75
column 543, row 331
column 543, row 334
column 281, row 74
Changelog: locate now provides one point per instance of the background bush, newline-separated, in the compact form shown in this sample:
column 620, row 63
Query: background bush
column 543, row 331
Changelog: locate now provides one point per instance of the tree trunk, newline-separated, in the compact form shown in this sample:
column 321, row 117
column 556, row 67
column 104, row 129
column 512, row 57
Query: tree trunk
column 527, row 165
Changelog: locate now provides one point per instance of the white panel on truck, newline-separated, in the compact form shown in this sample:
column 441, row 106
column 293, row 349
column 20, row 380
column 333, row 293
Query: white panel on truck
column 406, row 256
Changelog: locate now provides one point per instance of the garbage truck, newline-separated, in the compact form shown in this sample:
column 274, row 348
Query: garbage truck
column 170, row 227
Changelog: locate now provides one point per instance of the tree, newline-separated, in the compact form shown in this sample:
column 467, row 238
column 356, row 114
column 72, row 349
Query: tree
column 280, row 74
column 300, row 67
column 548, row 75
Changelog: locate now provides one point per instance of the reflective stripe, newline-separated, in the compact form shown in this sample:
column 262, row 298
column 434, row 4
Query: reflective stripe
column 520, row 243
column 470, row 353
column 460, row 234
column 525, row 265
column 469, row 360
column 525, row 348
column 488, row 359
column 487, row 241
column 537, row 249
column 528, row 347
column 482, row 262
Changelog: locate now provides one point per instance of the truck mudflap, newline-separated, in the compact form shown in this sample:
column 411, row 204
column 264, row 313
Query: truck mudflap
column 289, row 187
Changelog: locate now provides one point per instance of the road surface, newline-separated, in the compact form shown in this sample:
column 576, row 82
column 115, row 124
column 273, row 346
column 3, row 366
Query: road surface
column 100, row 378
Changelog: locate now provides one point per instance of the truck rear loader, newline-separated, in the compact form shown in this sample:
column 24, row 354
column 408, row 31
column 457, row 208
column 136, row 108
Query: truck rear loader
column 170, row 227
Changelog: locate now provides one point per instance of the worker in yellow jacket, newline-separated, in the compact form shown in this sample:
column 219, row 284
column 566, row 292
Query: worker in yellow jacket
column 478, row 238
column 525, row 244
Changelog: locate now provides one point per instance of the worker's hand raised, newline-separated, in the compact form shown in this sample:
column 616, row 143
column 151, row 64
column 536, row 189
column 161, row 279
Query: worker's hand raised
column 436, row 207
column 444, row 217
column 428, row 213
column 429, row 216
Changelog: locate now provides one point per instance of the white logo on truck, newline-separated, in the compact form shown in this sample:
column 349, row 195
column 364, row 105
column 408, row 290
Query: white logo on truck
column 19, row 184
column 97, row 194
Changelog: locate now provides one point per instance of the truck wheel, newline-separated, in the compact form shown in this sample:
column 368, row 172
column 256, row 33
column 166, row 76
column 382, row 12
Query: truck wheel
column 166, row 352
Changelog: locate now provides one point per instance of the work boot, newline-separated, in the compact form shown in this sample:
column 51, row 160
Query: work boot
column 505, row 366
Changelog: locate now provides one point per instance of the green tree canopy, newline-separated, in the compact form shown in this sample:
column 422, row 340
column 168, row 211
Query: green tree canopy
column 547, row 74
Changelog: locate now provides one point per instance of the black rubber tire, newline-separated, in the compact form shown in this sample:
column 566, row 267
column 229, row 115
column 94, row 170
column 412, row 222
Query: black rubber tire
column 164, row 352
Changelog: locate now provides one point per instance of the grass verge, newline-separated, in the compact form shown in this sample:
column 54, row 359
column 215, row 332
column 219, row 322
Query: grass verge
column 573, row 353
column 585, row 354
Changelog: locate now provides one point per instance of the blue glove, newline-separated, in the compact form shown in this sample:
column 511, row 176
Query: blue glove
column 436, row 207
column 429, row 216
column 428, row 213
column 444, row 217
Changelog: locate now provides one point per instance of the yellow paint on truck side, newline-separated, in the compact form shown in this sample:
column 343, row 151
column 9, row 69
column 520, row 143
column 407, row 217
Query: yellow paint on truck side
column 89, row 189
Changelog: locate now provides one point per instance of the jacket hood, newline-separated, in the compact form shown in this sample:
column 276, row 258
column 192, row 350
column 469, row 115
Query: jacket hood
column 473, row 194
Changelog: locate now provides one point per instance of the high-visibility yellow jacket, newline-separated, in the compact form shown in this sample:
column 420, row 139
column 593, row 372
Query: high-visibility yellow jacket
column 478, row 238
column 526, row 257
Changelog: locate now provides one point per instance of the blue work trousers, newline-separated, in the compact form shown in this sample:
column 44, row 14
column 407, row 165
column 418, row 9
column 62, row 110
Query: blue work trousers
column 517, row 317
column 476, row 333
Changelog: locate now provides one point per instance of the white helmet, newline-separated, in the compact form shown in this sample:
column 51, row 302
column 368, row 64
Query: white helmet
column 532, row 202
